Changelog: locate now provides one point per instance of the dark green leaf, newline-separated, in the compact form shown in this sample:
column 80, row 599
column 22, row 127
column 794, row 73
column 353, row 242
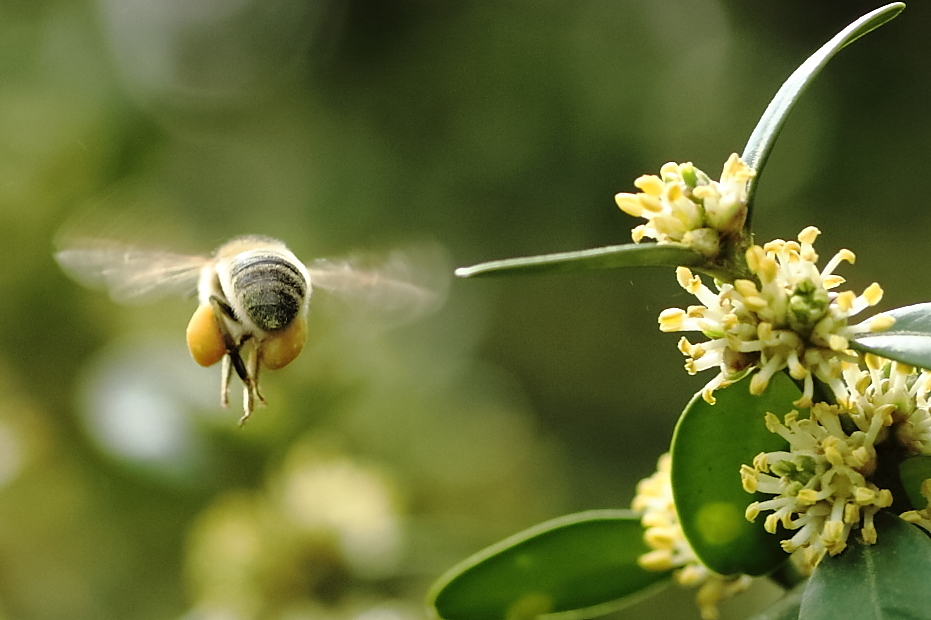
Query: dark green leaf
column 913, row 472
column 908, row 341
column 770, row 124
column 710, row 444
column 609, row 257
column 885, row 581
column 577, row 566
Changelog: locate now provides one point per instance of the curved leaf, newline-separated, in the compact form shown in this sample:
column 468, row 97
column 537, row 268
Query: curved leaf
column 770, row 124
column 885, row 581
column 609, row 257
column 913, row 471
column 577, row 566
column 709, row 445
column 908, row 341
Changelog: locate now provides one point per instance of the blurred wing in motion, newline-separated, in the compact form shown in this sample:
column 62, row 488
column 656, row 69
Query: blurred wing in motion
column 404, row 285
column 128, row 273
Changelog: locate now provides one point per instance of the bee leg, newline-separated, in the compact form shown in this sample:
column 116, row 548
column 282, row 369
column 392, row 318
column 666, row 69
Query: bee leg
column 226, row 374
column 247, row 405
column 254, row 366
column 250, row 391
column 233, row 358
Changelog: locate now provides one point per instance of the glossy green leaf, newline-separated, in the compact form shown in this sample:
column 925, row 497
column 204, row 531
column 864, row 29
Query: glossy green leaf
column 710, row 444
column 577, row 566
column 609, row 257
column 908, row 341
column 913, row 471
column 885, row 581
column 770, row 124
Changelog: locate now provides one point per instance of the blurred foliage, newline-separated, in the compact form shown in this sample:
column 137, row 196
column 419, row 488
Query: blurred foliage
column 498, row 129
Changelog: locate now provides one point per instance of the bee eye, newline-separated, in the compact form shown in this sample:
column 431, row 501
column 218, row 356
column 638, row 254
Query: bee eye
column 204, row 340
column 280, row 348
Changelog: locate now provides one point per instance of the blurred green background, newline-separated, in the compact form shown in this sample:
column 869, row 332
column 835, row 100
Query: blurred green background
column 496, row 128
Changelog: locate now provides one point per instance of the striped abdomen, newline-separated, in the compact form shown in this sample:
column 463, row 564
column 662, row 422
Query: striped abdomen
column 269, row 288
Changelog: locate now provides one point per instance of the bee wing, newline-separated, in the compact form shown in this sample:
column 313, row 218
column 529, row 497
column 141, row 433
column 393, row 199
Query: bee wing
column 400, row 287
column 130, row 274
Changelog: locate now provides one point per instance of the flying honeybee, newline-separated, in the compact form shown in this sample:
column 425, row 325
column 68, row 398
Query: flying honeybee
column 253, row 295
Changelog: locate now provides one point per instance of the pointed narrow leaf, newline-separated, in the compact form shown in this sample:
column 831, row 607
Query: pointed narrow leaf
column 577, row 566
column 770, row 124
column 913, row 472
column 908, row 341
column 609, row 257
column 885, row 581
column 709, row 445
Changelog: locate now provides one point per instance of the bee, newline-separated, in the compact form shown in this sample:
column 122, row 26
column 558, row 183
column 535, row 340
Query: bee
column 253, row 296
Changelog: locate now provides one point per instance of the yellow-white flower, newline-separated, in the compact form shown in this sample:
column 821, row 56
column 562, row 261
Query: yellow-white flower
column 789, row 317
column 821, row 485
column 683, row 205
column 670, row 549
column 898, row 388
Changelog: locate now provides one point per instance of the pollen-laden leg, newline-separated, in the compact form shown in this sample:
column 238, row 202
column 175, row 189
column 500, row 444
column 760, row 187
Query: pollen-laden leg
column 233, row 358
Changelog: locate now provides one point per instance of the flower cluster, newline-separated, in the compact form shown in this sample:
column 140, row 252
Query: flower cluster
column 788, row 317
column 774, row 310
column 683, row 205
column 821, row 484
column 671, row 550
column 901, row 390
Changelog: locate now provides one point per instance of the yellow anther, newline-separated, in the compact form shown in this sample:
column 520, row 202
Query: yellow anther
column 629, row 204
column 673, row 192
column 848, row 256
column 808, row 235
column 748, row 478
column 669, row 169
column 671, row 319
column 650, row 184
column 881, row 322
column 771, row 523
column 652, row 204
column 638, row 233
column 873, row 294
column 864, row 496
column 747, row 288
column 807, row 497
column 832, row 281
column 873, row 361
column 684, row 276
column 656, row 560
column 845, row 301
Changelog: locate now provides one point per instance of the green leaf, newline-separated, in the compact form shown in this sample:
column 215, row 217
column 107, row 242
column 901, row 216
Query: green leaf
column 908, row 341
column 709, row 445
column 770, row 124
column 913, row 471
column 609, row 257
column 885, row 581
column 577, row 566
